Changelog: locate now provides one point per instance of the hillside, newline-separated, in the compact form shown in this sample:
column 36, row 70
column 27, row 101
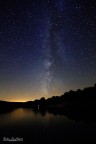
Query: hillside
column 80, row 104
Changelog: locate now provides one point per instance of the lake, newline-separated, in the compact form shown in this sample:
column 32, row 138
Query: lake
column 37, row 127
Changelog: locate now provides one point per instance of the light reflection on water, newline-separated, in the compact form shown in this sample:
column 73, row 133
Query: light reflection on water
column 38, row 126
column 28, row 116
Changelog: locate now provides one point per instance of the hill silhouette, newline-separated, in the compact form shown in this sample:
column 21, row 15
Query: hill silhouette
column 78, row 105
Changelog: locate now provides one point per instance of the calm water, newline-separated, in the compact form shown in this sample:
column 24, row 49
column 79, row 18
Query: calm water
column 45, row 128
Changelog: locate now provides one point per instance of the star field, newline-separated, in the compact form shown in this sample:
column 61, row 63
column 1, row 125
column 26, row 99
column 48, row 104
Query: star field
column 46, row 47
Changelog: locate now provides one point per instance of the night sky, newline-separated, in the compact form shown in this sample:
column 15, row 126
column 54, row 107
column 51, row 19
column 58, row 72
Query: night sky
column 47, row 47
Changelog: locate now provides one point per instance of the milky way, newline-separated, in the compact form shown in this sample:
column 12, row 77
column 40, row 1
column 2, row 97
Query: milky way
column 52, row 45
column 47, row 47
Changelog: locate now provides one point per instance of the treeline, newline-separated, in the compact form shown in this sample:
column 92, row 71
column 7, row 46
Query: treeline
column 74, row 104
column 80, row 104
column 79, row 99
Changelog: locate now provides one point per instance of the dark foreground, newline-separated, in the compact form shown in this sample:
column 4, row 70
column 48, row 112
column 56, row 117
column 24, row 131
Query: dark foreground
column 44, row 128
column 69, row 118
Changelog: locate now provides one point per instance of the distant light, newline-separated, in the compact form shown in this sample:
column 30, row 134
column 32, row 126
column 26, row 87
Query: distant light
column 38, row 106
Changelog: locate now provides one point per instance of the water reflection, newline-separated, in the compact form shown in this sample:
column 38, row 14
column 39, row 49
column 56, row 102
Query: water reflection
column 40, row 127
column 26, row 116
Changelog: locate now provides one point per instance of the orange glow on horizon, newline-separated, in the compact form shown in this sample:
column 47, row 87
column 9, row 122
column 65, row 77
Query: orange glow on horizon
column 19, row 96
column 19, row 100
